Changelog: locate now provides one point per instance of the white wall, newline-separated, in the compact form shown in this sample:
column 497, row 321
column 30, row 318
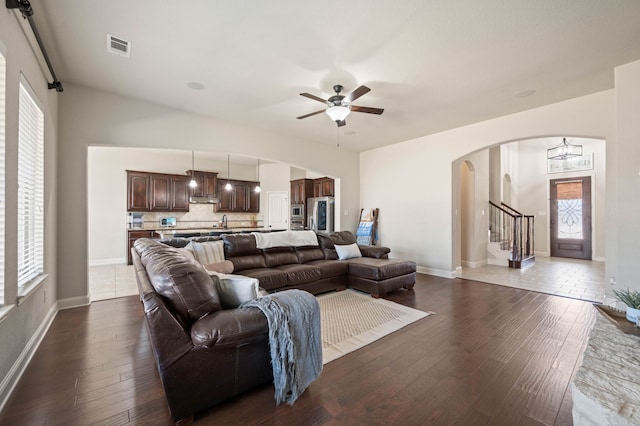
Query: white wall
column 91, row 117
column 23, row 325
column 623, row 247
column 414, row 182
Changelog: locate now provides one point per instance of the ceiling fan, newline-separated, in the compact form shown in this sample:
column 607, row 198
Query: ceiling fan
column 339, row 106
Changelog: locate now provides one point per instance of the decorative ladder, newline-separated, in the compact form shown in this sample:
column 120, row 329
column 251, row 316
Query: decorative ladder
column 514, row 232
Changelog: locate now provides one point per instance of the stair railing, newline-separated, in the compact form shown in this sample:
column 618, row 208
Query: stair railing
column 512, row 229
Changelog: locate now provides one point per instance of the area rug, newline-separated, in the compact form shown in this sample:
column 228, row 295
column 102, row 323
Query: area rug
column 351, row 320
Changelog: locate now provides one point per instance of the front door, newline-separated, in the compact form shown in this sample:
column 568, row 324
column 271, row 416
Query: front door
column 571, row 217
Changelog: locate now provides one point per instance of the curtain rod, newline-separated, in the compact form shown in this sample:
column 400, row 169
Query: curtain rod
column 27, row 12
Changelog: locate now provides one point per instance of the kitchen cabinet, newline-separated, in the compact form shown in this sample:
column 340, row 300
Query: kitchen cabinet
column 179, row 193
column 137, row 191
column 301, row 189
column 323, row 187
column 132, row 236
column 157, row 192
column 206, row 183
column 240, row 199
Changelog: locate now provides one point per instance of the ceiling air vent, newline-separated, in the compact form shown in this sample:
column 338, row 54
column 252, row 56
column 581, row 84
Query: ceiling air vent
column 118, row 46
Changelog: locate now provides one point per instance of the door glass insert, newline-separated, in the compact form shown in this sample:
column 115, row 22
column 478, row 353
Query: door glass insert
column 570, row 210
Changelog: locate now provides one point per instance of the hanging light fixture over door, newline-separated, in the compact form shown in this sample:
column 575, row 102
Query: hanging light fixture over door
column 257, row 188
column 564, row 150
column 228, row 185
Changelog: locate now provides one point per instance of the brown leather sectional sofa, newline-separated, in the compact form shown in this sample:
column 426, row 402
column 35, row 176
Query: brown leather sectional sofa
column 315, row 269
column 206, row 354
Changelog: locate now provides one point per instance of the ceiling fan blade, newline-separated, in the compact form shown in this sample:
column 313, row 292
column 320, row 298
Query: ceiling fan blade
column 314, row 97
column 356, row 94
column 309, row 115
column 342, row 123
column 368, row 110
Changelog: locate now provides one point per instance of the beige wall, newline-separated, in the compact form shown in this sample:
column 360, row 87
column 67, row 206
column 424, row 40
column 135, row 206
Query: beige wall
column 414, row 183
column 623, row 246
column 24, row 324
column 90, row 117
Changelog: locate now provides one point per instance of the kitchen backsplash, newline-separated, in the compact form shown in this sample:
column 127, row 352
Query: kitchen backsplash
column 202, row 216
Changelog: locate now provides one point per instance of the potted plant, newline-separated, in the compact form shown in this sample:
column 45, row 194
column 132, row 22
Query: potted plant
column 631, row 298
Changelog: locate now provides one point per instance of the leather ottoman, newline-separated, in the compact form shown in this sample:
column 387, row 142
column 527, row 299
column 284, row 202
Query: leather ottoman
column 381, row 276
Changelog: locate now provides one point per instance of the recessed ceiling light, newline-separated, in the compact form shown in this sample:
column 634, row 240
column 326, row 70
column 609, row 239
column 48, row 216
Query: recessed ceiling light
column 350, row 133
column 195, row 85
column 525, row 93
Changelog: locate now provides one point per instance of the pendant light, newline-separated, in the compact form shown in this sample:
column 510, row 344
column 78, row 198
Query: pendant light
column 193, row 182
column 564, row 150
column 257, row 188
column 228, row 185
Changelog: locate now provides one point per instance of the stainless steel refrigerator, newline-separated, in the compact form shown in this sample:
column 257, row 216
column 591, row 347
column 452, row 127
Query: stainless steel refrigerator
column 320, row 214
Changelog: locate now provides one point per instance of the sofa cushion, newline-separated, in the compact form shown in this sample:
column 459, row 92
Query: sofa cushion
column 239, row 245
column 379, row 269
column 279, row 256
column 300, row 274
column 270, row 279
column 235, row 290
column 309, row 253
column 183, row 282
column 207, row 252
column 347, row 251
column 224, row 267
column 342, row 237
column 242, row 263
column 330, row 268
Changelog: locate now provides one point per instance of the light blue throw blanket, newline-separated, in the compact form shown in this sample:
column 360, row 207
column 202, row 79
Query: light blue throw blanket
column 295, row 340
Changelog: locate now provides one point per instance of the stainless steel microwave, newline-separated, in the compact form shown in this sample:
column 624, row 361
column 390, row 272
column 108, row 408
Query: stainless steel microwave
column 297, row 211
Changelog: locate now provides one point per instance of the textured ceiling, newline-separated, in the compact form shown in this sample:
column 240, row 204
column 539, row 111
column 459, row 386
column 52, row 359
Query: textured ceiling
column 433, row 65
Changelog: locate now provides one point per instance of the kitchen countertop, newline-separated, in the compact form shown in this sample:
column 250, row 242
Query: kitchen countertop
column 169, row 232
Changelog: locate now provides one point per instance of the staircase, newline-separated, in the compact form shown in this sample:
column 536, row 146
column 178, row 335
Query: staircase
column 511, row 237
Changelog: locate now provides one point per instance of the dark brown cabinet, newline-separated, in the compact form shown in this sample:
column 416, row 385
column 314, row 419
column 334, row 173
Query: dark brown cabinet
column 240, row 199
column 301, row 189
column 157, row 192
column 132, row 236
column 206, row 183
column 137, row 191
column 179, row 193
column 323, row 187
column 160, row 191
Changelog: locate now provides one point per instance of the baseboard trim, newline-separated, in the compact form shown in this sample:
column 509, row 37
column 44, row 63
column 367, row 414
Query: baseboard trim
column 114, row 261
column 438, row 272
column 475, row 264
column 19, row 367
column 74, row 302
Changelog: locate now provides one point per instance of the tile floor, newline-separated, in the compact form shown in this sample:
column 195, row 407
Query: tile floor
column 111, row 281
column 578, row 279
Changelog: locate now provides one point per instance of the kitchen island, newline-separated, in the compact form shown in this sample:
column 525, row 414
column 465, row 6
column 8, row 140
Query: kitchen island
column 165, row 233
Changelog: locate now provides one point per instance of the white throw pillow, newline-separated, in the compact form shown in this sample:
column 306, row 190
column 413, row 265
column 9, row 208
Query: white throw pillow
column 234, row 290
column 208, row 252
column 187, row 252
column 348, row 251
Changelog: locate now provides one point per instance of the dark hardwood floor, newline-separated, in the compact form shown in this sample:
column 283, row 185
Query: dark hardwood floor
column 491, row 355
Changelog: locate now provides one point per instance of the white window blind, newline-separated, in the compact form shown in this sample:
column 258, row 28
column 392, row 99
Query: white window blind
column 2, row 168
column 30, row 186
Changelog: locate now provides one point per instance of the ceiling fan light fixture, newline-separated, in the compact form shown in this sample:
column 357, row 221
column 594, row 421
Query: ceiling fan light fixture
column 338, row 112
